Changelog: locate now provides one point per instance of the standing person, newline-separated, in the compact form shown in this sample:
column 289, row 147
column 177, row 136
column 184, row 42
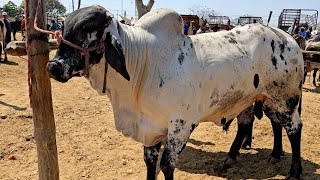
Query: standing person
column 23, row 26
column 6, row 33
column 308, row 33
column 302, row 32
column 54, row 27
column 185, row 28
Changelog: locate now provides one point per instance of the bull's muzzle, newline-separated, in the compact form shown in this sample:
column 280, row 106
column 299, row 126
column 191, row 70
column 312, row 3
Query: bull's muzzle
column 57, row 71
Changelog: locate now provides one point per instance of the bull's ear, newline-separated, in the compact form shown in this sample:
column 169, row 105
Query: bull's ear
column 115, row 57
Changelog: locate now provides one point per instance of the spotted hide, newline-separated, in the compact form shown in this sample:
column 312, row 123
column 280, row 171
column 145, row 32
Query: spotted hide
column 162, row 84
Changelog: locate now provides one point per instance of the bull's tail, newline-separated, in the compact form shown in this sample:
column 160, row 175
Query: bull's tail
column 300, row 105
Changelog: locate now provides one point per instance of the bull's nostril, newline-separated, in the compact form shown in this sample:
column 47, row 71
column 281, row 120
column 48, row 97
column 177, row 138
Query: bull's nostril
column 55, row 70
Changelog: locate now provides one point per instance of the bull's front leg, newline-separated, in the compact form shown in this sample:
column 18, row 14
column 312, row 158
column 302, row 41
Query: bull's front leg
column 151, row 158
column 178, row 134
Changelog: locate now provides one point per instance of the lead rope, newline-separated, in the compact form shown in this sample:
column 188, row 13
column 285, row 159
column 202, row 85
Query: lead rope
column 100, row 48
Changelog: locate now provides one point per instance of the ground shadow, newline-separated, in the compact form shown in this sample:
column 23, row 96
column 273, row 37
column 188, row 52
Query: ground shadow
column 9, row 63
column 199, row 143
column 13, row 106
column 316, row 90
column 249, row 166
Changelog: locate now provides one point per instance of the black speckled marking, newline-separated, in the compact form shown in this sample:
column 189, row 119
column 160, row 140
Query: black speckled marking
column 256, row 80
column 292, row 103
column 231, row 34
column 161, row 82
column 272, row 46
column 281, row 36
column 274, row 61
column 231, row 39
column 282, row 47
column 181, row 58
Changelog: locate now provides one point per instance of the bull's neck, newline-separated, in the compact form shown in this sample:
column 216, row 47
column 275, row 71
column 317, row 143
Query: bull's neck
column 134, row 46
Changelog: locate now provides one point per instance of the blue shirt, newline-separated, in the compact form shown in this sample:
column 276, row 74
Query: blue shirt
column 304, row 34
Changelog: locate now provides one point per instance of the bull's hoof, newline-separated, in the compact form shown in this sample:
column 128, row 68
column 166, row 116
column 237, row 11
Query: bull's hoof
column 273, row 160
column 229, row 162
column 292, row 178
column 294, row 173
column 289, row 177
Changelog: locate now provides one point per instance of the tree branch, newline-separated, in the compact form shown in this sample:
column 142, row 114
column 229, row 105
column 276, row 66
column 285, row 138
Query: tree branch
column 143, row 9
column 150, row 4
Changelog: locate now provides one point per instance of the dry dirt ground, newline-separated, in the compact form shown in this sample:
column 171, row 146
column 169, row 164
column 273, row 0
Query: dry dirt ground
column 89, row 147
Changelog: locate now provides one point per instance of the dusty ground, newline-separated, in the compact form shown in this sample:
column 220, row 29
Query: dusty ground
column 89, row 147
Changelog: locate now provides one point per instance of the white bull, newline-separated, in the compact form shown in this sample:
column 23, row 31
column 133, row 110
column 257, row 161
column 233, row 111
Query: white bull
column 162, row 84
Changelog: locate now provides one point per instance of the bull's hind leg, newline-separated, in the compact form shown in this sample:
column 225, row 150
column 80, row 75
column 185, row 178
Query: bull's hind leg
column 151, row 158
column 178, row 134
column 288, row 116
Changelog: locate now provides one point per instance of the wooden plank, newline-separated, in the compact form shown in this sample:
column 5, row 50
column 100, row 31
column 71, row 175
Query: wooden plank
column 311, row 52
column 41, row 99
column 313, row 65
column 18, row 48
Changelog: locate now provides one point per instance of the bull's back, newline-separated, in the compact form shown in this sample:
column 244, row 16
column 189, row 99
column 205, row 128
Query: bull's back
column 241, row 64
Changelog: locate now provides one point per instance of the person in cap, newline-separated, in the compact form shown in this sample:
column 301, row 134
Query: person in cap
column 7, row 35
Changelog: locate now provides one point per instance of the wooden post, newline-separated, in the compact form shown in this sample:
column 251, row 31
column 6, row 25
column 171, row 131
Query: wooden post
column 41, row 99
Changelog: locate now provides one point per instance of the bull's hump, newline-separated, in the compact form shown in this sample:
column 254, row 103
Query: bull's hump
column 161, row 21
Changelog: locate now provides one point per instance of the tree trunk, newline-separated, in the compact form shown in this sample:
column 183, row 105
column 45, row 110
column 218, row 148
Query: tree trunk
column 72, row 5
column 79, row 3
column 41, row 99
column 143, row 9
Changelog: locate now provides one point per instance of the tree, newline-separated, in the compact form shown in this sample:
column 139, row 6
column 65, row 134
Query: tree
column 143, row 9
column 202, row 11
column 11, row 9
column 54, row 6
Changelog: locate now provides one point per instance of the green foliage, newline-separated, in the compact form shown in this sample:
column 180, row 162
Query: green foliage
column 11, row 9
column 54, row 6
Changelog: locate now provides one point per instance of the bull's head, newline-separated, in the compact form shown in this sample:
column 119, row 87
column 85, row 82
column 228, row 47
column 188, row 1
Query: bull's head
column 87, row 27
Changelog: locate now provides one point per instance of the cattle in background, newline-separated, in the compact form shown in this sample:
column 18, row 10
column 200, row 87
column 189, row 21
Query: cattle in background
column 312, row 46
column 162, row 84
column 15, row 27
